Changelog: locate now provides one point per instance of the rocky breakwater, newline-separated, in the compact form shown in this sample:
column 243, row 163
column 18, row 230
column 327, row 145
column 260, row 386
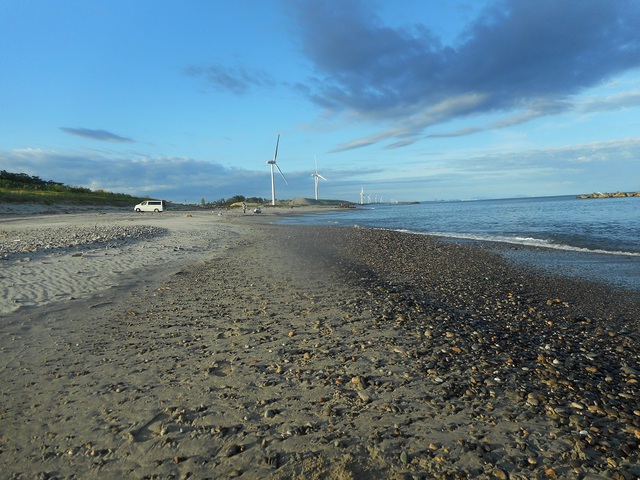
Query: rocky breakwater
column 609, row 195
column 32, row 241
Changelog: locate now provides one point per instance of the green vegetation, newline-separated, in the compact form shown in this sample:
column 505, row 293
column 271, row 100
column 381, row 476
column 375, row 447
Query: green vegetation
column 322, row 202
column 229, row 202
column 23, row 188
column 236, row 202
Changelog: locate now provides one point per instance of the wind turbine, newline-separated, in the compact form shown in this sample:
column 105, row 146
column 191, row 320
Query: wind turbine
column 362, row 196
column 316, row 177
column 273, row 163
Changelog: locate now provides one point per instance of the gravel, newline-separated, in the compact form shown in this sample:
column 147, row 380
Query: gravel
column 46, row 240
column 506, row 342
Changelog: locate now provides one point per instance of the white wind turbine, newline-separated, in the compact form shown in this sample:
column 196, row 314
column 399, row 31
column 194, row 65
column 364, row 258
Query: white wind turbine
column 362, row 196
column 273, row 163
column 316, row 177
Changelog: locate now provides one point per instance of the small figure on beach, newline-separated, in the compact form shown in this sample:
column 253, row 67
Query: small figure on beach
column 244, row 207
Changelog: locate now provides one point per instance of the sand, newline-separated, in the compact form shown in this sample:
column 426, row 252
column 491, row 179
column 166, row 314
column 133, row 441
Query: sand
column 230, row 347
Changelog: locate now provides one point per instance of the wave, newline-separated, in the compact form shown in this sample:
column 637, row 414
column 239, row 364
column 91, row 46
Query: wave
column 524, row 241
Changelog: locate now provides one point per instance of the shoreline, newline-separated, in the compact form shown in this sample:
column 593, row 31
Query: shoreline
column 14, row 210
column 617, row 269
column 304, row 352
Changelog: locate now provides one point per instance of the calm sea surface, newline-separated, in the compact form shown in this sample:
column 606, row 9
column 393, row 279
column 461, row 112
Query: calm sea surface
column 594, row 238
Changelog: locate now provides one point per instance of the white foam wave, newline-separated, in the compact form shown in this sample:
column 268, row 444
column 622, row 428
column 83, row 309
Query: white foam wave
column 524, row 241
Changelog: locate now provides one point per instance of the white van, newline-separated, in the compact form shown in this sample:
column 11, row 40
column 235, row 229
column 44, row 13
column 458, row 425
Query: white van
column 150, row 206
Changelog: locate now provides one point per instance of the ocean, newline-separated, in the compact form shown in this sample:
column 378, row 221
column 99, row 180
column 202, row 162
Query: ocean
column 596, row 239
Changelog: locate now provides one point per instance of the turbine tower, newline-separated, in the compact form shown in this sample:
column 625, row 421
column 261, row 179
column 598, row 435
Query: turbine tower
column 362, row 196
column 316, row 177
column 273, row 163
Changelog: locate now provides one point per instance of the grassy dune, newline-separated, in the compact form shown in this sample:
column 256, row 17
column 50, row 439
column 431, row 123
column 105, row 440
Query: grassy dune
column 67, row 197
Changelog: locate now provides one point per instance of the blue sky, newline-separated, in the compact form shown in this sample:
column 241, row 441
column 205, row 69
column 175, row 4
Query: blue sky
column 410, row 99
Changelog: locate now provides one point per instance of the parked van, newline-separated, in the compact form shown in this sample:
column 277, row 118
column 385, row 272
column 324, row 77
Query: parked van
column 150, row 206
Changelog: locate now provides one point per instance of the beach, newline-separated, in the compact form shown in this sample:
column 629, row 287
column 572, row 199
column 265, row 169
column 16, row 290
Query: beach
column 220, row 345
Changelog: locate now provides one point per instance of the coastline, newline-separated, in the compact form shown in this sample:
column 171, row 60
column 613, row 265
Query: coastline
column 551, row 234
column 268, row 351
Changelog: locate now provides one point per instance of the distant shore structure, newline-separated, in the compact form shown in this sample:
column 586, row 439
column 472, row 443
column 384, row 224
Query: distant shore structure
column 610, row 195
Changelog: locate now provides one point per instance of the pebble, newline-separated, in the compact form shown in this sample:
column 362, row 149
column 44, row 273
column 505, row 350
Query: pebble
column 477, row 348
column 364, row 396
column 507, row 338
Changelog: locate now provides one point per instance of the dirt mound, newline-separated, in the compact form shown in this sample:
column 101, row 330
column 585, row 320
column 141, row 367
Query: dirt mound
column 304, row 201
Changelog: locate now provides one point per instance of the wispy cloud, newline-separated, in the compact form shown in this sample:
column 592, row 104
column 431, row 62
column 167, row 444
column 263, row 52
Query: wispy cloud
column 169, row 177
column 579, row 168
column 612, row 102
column 513, row 58
column 407, row 129
column 616, row 101
column 456, row 174
column 101, row 135
column 566, row 163
column 236, row 80
column 537, row 111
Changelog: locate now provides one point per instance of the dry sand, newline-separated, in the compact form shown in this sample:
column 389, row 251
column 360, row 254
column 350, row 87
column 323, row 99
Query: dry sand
column 41, row 273
column 228, row 347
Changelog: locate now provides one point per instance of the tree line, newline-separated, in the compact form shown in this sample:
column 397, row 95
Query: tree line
column 22, row 181
column 225, row 202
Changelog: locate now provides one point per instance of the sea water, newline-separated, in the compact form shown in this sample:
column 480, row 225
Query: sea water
column 597, row 239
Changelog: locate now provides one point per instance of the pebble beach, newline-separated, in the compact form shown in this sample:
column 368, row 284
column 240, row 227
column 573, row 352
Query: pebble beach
column 197, row 345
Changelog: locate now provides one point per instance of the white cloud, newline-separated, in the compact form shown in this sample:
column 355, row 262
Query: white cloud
column 583, row 167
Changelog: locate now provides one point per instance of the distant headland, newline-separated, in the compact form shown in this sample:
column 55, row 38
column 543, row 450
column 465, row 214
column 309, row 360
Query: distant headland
column 610, row 195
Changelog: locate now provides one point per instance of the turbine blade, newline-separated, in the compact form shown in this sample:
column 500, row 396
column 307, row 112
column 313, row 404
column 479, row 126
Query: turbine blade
column 285, row 180
column 323, row 178
column 275, row 155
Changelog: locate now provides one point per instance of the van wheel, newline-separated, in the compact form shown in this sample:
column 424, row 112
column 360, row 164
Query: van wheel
column 138, row 210
column 156, row 210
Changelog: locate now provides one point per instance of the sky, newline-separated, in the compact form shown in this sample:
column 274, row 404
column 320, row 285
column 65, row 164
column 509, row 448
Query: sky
column 407, row 100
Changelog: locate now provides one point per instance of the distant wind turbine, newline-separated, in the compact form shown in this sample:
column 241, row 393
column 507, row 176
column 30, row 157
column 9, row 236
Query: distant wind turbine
column 362, row 196
column 316, row 177
column 273, row 163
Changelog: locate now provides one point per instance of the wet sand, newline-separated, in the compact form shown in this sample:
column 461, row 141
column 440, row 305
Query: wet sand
column 266, row 351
